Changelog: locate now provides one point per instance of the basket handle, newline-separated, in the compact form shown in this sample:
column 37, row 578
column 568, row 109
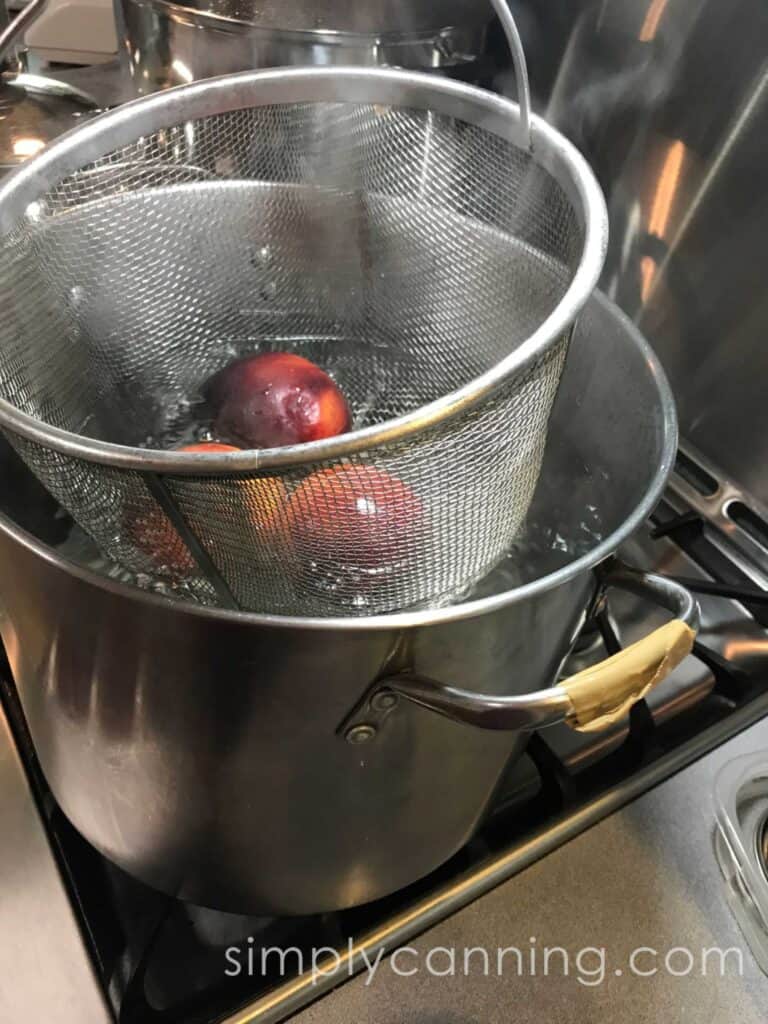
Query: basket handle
column 588, row 701
column 504, row 14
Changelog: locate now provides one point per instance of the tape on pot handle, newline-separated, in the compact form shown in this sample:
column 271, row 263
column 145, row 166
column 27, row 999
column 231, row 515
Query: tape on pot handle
column 604, row 693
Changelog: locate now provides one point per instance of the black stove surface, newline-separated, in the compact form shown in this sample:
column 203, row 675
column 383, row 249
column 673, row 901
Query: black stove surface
column 166, row 961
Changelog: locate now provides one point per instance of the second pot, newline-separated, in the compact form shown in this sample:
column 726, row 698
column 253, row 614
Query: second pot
column 165, row 44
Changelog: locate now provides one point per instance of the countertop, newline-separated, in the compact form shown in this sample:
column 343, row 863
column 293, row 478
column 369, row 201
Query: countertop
column 645, row 877
column 46, row 976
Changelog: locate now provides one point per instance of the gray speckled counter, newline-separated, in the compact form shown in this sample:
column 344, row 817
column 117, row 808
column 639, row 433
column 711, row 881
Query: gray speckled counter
column 646, row 876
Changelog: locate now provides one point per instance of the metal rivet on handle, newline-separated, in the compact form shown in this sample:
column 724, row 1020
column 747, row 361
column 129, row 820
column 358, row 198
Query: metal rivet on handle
column 383, row 701
column 360, row 734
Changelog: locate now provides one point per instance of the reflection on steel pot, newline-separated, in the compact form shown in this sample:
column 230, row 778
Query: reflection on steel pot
column 33, row 109
column 271, row 764
column 165, row 44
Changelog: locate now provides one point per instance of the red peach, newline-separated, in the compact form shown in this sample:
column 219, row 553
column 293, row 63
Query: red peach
column 275, row 399
column 209, row 446
column 355, row 516
column 153, row 533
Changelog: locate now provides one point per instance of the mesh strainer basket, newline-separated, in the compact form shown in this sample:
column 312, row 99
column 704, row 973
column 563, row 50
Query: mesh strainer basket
column 427, row 243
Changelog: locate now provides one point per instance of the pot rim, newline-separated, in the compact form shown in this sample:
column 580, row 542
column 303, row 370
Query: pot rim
column 188, row 13
column 425, row 616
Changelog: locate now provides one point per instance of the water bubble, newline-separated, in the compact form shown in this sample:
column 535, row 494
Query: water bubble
column 34, row 211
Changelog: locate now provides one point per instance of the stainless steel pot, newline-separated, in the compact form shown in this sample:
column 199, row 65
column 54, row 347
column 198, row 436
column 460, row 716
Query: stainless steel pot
column 33, row 109
column 283, row 765
column 165, row 44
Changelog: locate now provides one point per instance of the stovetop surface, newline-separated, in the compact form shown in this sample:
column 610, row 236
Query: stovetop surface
column 162, row 960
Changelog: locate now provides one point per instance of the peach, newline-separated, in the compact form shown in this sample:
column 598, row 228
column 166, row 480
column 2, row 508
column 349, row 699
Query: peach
column 153, row 533
column 355, row 516
column 275, row 399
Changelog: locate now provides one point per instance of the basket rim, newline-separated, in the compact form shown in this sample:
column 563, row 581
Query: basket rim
column 461, row 610
column 107, row 132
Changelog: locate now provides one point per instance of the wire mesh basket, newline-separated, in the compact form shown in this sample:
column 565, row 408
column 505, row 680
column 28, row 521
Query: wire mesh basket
column 428, row 244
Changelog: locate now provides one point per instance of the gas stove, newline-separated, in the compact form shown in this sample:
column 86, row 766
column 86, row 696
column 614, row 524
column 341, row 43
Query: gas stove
column 153, row 958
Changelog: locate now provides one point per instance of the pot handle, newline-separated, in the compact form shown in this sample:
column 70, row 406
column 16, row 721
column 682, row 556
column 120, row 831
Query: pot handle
column 589, row 701
column 12, row 30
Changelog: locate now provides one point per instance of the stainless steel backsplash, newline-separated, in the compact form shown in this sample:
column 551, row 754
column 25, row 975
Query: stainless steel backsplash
column 668, row 99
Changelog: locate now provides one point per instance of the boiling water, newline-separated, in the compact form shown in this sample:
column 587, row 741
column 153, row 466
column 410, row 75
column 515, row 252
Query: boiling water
column 540, row 549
